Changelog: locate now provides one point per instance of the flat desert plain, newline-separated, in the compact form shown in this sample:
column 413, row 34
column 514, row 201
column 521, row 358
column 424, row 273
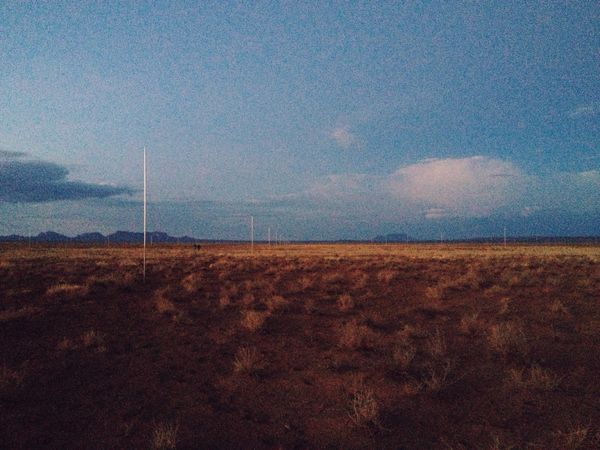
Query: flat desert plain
column 300, row 346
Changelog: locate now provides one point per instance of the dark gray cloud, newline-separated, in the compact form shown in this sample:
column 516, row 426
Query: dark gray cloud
column 38, row 181
column 11, row 155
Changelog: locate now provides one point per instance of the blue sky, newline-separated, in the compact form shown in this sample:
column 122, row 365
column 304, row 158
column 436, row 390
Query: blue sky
column 342, row 120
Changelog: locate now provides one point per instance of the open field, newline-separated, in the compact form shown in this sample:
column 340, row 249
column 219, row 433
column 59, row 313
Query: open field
column 301, row 346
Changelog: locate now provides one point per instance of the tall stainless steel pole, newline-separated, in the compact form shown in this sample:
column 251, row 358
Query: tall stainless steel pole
column 145, row 210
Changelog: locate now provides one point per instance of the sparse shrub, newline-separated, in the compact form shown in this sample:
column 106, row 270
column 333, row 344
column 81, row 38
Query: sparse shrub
column 436, row 344
column 68, row 290
column 92, row 338
column 470, row 323
column 435, row 293
column 507, row 337
column 572, row 439
column 504, row 306
column 535, row 377
column 191, row 283
column 253, row 320
column 361, row 280
column 354, row 335
column 364, row 408
column 345, row 302
column 65, row 344
column 386, row 276
column 275, row 302
column 558, row 307
column 224, row 301
column 437, row 376
column 163, row 304
column 164, row 436
column 248, row 300
column 9, row 378
column 403, row 354
column 246, row 360
column 18, row 313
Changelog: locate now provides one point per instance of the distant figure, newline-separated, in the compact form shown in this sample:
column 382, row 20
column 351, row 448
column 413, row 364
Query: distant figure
column 197, row 247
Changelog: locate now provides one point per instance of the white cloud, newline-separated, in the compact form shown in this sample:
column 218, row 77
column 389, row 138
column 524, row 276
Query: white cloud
column 584, row 110
column 343, row 137
column 474, row 186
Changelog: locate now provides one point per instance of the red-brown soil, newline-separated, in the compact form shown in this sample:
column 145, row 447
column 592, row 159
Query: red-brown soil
column 414, row 347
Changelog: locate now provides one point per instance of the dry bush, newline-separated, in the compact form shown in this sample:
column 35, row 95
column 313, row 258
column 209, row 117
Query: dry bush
column 94, row 339
column 275, row 303
column 191, row 283
column 224, row 301
column 409, row 331
column 65, row 289
column 18, row 313
column 558, row 307
column 507, row 337
column 65, row 344
column 246, row 360
column 354, row 335
column 162, row 304
column 504, row 306
column 435, row 293
column 436, row 344
column 470, row 323
column 385, row 276
column 253, row 320
column 164, row 436
column 403, row 354
column 361, row 280
column 332, row 278
column 535, row 377
column 9, row 378
column 572, row 439
column 305, row 282
column 364, row 408
column 437, row 376
column 248, row 300
column 345, row 302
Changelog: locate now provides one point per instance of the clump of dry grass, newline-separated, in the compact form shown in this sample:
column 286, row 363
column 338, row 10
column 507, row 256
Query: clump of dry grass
column 17, row 313
column 504, row 306
column 558, row 307
column 536, row 377
column 354, row 335
column 470, row 323
column 224, row 301
column 164, row 436
column 572, row 439
column 507, row 337
column 435, row 293
column 254, row 320
column 361, row 280
column 66, row 289
column 403, row 354
column 162, row 304
column 437, row 376
column 436, row 344
column 191, row 283
column 246, row 360
column 94, row 339
column 275, row 303
column 9, row 378
column 364, row 407
column 345, row 302
column 65, row 344
column 386, row 276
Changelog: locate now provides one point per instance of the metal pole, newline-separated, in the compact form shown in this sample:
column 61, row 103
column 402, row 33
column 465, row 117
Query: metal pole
column 145, row 189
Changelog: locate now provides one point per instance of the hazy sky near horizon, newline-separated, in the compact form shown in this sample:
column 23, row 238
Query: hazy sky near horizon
column 344, row 119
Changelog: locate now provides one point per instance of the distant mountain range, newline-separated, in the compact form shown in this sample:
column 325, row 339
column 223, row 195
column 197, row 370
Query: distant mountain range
column 159, row 237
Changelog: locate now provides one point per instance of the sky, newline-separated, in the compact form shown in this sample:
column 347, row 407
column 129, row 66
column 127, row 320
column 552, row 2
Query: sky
column 323, row 120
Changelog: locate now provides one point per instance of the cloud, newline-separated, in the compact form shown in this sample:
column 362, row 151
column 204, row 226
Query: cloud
column 38, row 181
column 7, row 154
column 468, row 187
column 343, row 137
column 584, row 110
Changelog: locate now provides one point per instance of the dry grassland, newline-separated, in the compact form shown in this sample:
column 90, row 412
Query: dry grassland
column 301, row 346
